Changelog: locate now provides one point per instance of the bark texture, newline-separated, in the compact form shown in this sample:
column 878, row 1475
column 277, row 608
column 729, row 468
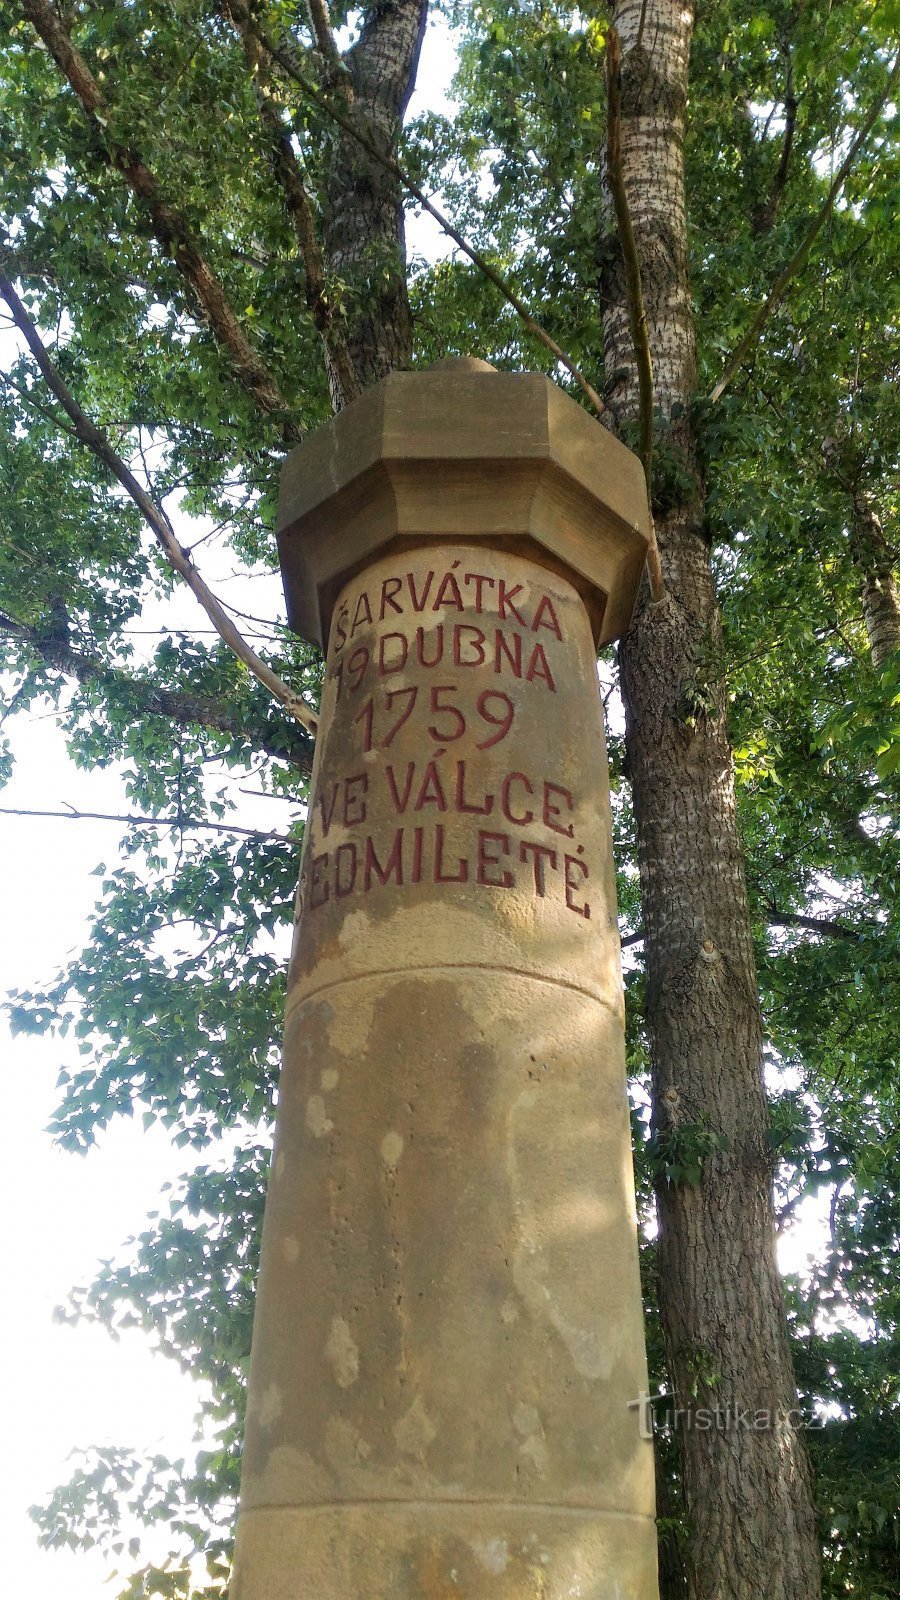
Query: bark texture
column 878, row 589
column 748, row 1489
column 363, row 234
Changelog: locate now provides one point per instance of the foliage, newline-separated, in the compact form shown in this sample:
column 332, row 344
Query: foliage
column 175, row 1003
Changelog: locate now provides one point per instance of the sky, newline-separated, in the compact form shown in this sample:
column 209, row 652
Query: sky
column 70, row 1387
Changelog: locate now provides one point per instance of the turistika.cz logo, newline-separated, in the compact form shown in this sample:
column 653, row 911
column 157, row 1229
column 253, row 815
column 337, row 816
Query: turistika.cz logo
column 662, row 1413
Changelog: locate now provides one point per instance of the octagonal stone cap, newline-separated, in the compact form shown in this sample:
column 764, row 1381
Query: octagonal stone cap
column 461, row 451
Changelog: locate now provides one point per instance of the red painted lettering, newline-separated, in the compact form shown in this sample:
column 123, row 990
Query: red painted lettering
column 318, row 882
column 357, row 665
column 363, row 613
column 326, row 808
column 552, row 811
column 505, row 603
column 545, row 605
column 418, row 836
column 365, row 715
column 389, row 589
column 340, row 625
column 479, row 579
column 408, row 695
column 431, row 792
column 540, row 854
column 355, row 790
column 572, row 865
column 344, row 853
column 509, row 646
column 505, row 806
column 491, row 846
column 419, row 605
column 400, row 801
column 448, row 586
column 538, row 667
column 440, row 876
column 438, row 646
column 464, row 805
column 440, row 703
column 393, row 865
column 392, row 653
column 475, row 645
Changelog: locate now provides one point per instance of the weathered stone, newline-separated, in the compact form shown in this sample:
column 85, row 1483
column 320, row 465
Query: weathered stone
column 448, row 1328
column 462, row 451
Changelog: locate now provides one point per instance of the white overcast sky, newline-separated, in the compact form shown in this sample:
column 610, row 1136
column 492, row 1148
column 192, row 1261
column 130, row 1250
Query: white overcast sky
column 70, row 1387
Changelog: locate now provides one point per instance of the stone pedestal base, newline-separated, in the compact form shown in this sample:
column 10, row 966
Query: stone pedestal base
column 444, row 1552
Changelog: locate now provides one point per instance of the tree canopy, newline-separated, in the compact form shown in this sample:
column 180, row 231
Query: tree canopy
column 175, row 185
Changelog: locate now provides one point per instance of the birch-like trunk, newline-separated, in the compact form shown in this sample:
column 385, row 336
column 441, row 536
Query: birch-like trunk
column 878, row 588
column 363, row 237
column 746, row 1475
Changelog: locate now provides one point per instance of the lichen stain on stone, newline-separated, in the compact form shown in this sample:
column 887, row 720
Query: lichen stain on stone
column 270, row 1406
column 391, row 1148
column 290, row 1249
column 342, row 1354
column 525, row 1418
column 317, row 1119
column 415, row 1431
column 350, row 1026
column 329, row 1079
column 345, row 1447
column 290, row 1477
column 534, row 1451
column 561, row 1227
column 354, row 926
column 491, row 1554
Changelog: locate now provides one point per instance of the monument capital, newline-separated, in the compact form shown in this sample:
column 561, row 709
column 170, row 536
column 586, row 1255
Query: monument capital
column 462, row 451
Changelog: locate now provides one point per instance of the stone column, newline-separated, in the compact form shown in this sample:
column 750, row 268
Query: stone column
column 448, row 1330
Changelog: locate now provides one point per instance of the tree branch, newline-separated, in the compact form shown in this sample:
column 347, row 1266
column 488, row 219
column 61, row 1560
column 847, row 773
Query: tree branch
column 325, row 41
column 176, row 823
column 287, row 743
column 800, row 256
column 154, row 516
column 782, row 919
column 169, row 227
column 764, row 219
column 824, row 925
column 282, row 51
column 345, row 384
column 640, row 333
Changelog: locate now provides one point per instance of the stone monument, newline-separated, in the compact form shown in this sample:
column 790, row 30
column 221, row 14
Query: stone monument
column 448, row 1330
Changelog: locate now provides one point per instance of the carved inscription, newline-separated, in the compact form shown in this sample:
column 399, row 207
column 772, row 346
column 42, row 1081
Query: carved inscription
column 413, row 671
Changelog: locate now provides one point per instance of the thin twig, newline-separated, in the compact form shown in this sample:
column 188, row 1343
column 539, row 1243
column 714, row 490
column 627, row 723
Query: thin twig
column 282, row 52
column 824, row 925
column 141, row 822
column 798, row 259
column 637, row 313
column 325, row 40
column 153, row 514
column 790, row 126
column 289, row 176
column 169, row 226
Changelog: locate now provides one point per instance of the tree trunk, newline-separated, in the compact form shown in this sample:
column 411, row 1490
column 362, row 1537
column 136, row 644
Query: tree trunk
column 878, row 590
column 363, row 236
column 747, row 1488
